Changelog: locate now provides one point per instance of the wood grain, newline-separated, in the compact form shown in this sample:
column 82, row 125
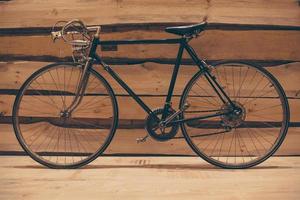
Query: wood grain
column 155, row 81
column 125, row 142
column 145, row 79
column 275, row 12
column 149, row 178
column 211, row 45
column 239, row 30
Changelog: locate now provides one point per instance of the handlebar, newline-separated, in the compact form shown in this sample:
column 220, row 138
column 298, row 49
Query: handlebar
column 78, row 35
column 79, row 28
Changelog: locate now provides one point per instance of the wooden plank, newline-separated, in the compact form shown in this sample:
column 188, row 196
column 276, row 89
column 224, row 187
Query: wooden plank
column 153, row 90
column 258, row 11
column 149, row 178
column 212, row 45
column 154, row 77
column 156, row 26
column 129, row 109
column 21, row 14
column 125, row 142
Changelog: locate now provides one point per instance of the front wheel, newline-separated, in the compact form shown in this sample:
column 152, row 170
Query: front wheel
column 235, row 140
column 57, row 138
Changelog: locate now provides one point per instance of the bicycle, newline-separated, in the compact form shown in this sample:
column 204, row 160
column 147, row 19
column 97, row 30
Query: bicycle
column 232, row 114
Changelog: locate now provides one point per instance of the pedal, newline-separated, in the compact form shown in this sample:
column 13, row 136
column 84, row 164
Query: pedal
column 143, row 139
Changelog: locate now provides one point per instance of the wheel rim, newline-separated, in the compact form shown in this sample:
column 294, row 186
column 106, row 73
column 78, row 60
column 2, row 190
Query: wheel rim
column 51, row 136
column 244, row 141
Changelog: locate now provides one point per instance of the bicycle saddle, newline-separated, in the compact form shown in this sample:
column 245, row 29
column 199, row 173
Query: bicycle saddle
column 187, row 30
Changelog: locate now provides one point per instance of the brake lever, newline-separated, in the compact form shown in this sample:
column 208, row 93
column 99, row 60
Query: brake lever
column 56, row 35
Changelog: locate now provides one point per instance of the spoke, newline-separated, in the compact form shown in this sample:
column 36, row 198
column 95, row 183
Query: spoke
column 218, row 103
column 58, row 141
column 213, row 150
column 37, row 111
column 45, row 139
column 259, row 141
column 49, row 96
column 230, row 146
column 204, row 98
column 68, row 131
column 46, row 102
column 64, row 104
column 269, row 132
column 244, row 144
column 47, row 148
column 269, row 107
column 80, row 144
column 258, row 153
column 56, row 86
column 254, row 89
column 31, row 133
column 69, row 79
column 90, row 81
column 207, row 138
column 241, row 86
column 266, row 123
column 240, row 149
column 35, row 139
column 87, row 123
column 65, row 138
column 65, row 87
column 90, row 135
column 226, row 79
column 30, row 127
column 89, row 103
column 260, row 135
column 253, row 99
column 223, row 135
column 233, row 81
column 206, row 102
column 253, row 78
column 234, row 145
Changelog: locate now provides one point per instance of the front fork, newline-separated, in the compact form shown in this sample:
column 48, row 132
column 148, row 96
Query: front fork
column 81, row 87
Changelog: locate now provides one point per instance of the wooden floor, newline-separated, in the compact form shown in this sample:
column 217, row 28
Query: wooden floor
column 150, row 178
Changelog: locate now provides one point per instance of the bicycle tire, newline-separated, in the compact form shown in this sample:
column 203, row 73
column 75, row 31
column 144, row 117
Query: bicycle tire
column 211, row 156
column 72, row 128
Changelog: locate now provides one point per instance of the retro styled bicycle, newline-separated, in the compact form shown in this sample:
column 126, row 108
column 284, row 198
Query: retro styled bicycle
column 232, row 114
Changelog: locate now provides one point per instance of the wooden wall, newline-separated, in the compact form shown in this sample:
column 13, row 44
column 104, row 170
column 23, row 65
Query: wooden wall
column 260, row 31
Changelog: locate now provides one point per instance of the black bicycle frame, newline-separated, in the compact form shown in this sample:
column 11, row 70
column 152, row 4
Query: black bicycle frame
column 183, row 44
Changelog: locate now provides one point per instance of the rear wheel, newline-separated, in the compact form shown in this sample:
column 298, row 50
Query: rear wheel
column 54, row 137
column 242, row 139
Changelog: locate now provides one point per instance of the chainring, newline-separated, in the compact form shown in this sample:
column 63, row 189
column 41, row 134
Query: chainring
column 160, row 133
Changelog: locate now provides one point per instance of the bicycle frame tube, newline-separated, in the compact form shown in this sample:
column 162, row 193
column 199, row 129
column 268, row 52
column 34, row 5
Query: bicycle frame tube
column 128, row 42
column 173, row 80
column 182, row 45
column 211, row 79
column 123, row 84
